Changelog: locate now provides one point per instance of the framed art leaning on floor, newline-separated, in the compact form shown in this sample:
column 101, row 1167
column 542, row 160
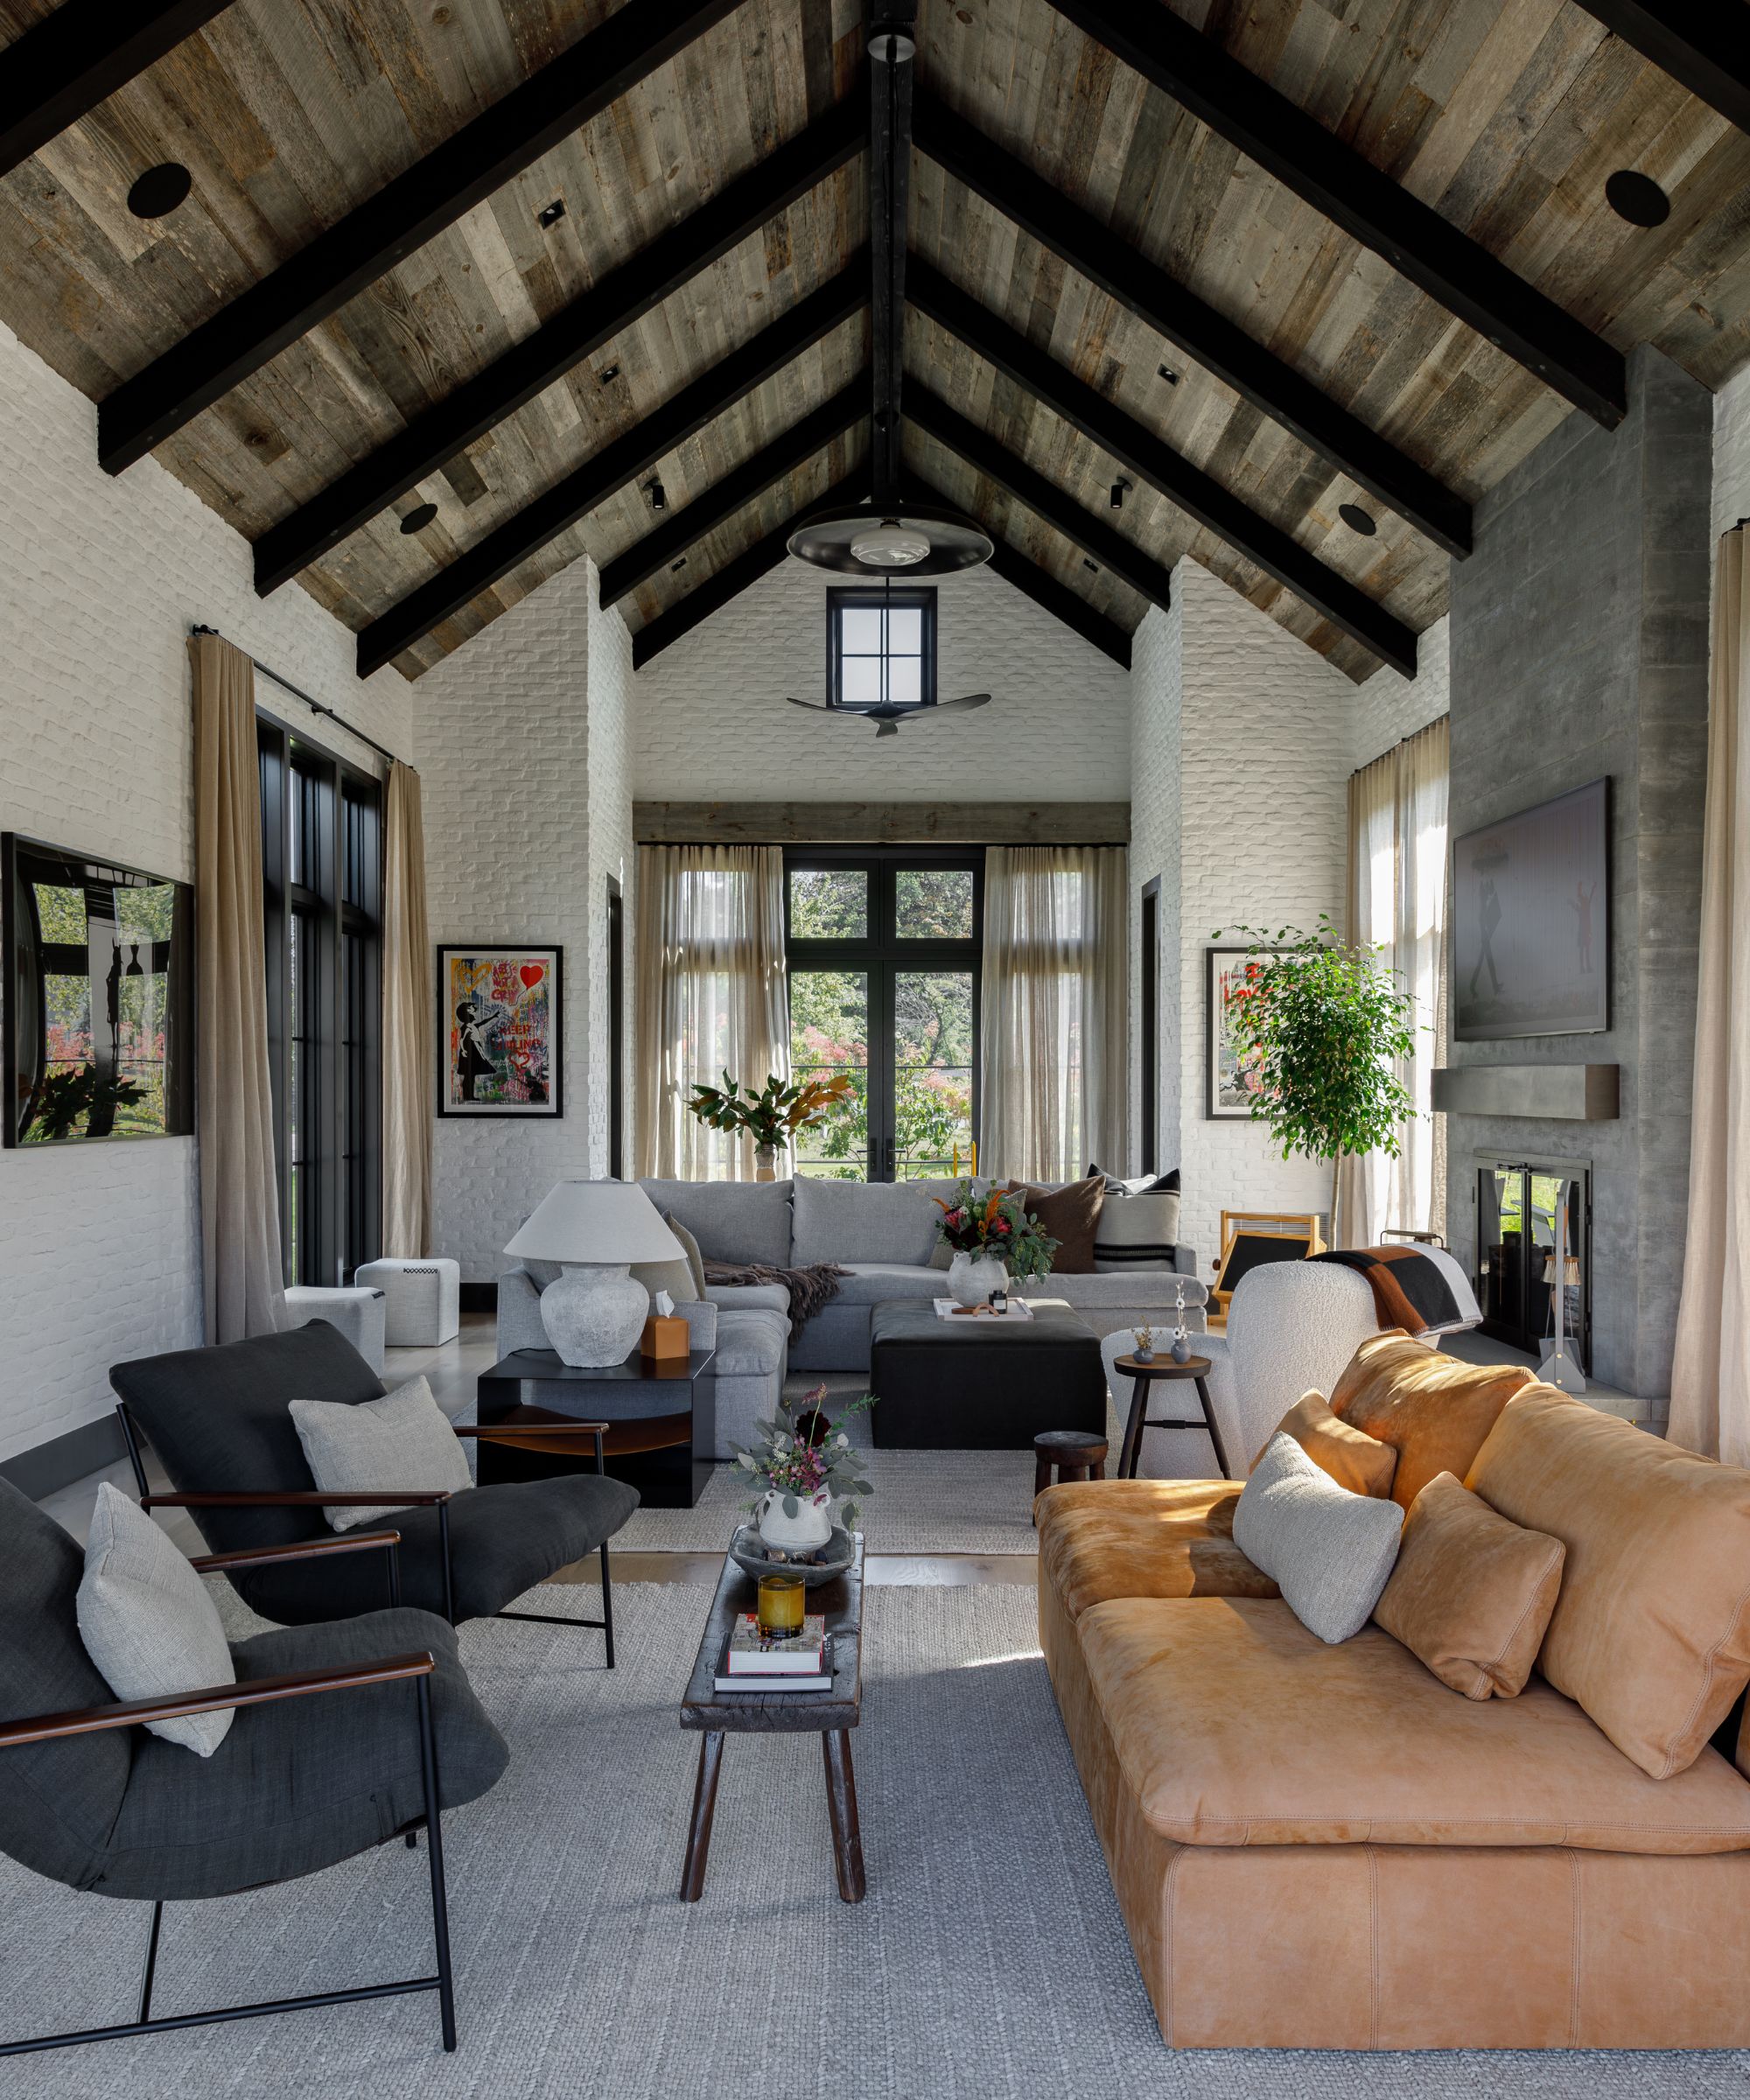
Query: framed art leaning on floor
column 500, row 1016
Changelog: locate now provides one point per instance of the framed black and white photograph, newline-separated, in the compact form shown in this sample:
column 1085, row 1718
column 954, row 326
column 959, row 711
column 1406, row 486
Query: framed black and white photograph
column 1531, row 921
column 1228, row 1084
column 500, row 1020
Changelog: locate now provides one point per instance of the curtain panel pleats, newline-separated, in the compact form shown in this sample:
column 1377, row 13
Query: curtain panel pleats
column 712, row 997
column 407, row 1070
column 1397, row 901
column 1054, row 1010
column 242, row 1277
column 1711, row 1372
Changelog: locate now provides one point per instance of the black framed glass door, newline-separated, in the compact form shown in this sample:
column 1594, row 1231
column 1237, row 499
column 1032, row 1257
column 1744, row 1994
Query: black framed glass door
column 883, row 952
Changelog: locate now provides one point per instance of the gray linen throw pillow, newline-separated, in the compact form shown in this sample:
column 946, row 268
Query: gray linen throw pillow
column 148, row 1622
column 402, row 1440
column 1330, row 1551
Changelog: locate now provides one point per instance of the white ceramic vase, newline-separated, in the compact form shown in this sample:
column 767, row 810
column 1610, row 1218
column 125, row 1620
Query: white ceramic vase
column 972, row 1277
column 594, row 1313
column 809, row 1528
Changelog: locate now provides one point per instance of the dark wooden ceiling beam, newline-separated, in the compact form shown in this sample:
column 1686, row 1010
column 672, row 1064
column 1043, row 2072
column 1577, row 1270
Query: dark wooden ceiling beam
column 404, row 214
column 65, row 65
column 1349, row 190
column 1704, row 44
column 1152, row 459
column 1256, row 374
column 529, row 367
column 988, row 455
column 618, row 462
column 737, row 489
column 735, row 576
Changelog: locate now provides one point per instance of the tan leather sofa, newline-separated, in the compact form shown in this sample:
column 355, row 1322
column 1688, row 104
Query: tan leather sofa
column 1325, row 1847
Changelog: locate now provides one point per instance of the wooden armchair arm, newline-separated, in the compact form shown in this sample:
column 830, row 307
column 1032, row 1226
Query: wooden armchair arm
column 305, row 1549
column 251, row 1691
column 509, row 1430
column 302, row 1498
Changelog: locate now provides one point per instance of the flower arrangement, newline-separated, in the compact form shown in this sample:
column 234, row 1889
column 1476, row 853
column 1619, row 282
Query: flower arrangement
column 777, row 1112
column 998, row 1224
column 799, row 1462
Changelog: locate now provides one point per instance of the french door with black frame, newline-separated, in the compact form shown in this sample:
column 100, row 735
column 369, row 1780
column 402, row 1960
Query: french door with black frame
column 882, row 947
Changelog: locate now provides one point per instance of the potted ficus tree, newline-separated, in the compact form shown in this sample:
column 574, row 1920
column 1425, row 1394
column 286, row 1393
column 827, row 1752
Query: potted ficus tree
column 1320, row 1023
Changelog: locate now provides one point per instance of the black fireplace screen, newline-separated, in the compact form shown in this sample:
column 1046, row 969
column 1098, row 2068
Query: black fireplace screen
column 1524, row 1208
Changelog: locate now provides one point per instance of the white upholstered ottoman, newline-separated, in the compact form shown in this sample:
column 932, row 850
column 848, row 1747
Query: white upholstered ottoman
column 424, row 1299
column 357, row 1312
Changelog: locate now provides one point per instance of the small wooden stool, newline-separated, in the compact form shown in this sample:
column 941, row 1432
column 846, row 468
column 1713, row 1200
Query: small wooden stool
column 1076, row 1453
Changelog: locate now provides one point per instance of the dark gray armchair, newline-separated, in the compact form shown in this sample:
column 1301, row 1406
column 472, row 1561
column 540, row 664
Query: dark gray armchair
column 345, row 1735
column 220, row 1421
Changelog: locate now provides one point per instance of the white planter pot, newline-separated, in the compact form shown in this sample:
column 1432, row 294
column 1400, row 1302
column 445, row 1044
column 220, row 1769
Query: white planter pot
column 972, row 1277
column 810, row 1527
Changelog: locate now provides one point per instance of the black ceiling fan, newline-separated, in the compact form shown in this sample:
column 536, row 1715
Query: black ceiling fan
column 888, row 717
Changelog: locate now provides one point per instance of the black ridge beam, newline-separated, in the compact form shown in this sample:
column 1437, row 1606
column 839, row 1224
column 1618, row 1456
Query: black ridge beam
column 673, row 259
column 1704, row 44
column 60, row 69
column 890, row 166
column 735, row 576
column 622, row 460
column 988, row 455
column 1257, row 375
column 1336, row 180
column 404, row 214
column 1152, row 459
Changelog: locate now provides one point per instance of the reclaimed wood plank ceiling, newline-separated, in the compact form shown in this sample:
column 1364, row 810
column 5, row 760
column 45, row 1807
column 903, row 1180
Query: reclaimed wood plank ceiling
column 1504, row 117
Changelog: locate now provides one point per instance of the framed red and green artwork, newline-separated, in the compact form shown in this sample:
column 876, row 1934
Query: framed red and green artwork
column 501, row 1015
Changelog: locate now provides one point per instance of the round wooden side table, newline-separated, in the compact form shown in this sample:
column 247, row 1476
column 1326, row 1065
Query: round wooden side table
column 1142, row 1376
column 1077, row 1454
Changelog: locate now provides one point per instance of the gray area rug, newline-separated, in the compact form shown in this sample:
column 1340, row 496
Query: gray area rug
column 988, row 1962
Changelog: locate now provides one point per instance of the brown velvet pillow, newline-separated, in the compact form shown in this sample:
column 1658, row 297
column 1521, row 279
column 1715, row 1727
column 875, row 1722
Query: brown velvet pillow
column 1070, row 1214
column 1434, row 1411
column 1471, row 1594
column 1354, row 1461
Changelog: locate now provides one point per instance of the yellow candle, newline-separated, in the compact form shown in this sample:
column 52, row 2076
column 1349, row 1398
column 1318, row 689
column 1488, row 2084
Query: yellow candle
column 956, row 1161
column 779, row 1609
column 975, row 1159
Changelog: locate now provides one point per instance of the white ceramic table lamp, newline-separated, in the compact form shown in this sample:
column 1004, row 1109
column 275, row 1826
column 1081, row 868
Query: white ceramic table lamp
column 594, row 1313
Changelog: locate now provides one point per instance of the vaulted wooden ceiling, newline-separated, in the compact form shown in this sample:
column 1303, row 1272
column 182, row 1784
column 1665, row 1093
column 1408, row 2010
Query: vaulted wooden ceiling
column 311, row 345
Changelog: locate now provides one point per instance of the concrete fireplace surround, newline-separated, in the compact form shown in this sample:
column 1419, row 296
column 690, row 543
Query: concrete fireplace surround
column 1579, row 634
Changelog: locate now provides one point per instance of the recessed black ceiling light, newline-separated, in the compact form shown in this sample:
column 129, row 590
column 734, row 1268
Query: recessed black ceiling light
column 674, row 567
column 1636, row 198
column 160, row 190
column 1171, row 377
column 1118, row 488
column 1094, row 566
column 1357, row 519
column 607, row 373
column 552, row 214
column 419, row 517
column 657, row 494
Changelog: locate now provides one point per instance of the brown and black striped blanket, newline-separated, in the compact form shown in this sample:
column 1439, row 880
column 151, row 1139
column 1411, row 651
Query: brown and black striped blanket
column 1409, row 1290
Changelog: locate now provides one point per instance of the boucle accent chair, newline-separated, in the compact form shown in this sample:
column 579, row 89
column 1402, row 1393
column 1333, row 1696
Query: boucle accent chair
column 1327, row 1846
column 345, row 1735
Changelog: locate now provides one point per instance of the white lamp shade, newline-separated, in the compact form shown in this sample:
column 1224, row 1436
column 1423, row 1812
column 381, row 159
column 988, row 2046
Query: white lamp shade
column 610, row 1222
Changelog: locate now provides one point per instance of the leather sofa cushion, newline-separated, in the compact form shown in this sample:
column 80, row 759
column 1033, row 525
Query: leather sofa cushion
column 1234, row 1725
column 1434, row 1411
column 1651, row 1632
column 1355, row 1460
column 1071, row 1214
column 1100, row 1539
column 1471, row 1593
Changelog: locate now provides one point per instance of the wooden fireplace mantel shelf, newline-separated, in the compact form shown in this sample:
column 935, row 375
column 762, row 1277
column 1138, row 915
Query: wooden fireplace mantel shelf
column 1555, row 1093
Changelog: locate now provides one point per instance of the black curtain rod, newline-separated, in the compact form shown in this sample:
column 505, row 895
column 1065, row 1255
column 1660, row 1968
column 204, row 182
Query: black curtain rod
column 298, row 693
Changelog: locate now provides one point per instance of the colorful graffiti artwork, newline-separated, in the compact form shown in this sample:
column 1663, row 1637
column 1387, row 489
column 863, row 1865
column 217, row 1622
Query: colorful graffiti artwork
column 499, row 1012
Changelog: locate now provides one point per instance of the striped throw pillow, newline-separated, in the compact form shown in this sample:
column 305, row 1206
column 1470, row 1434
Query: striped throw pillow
column 1136, row 1232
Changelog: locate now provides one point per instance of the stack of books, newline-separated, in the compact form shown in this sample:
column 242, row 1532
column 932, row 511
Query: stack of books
column 759, row 1661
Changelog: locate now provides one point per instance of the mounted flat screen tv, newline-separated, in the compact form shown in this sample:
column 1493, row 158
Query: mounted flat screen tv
column 100, row 970
column 1531, row 921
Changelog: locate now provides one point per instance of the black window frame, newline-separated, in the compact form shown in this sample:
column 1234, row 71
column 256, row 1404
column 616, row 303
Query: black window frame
column 1149, row 1006
column 880, row 954
column 616, row 1030
column 322, row 821
column 860, row 596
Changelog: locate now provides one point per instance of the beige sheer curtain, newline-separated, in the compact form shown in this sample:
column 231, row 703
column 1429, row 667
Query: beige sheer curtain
column 1053, row 1000
column 1710, row 1375
column 711, row 997
column 1397, row 898
column 407, row 1103
column 243, row 1276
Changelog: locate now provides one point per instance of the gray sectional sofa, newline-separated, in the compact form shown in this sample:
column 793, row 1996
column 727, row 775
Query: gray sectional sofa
column 883, row 1232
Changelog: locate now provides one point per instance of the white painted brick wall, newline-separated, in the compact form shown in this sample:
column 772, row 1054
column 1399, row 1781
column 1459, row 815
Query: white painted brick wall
column 103, row 578
column 1391, row 707
column 1731, row 453
column 713, row 723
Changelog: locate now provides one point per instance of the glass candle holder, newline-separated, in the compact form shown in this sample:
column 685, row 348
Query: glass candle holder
column 779, row 1609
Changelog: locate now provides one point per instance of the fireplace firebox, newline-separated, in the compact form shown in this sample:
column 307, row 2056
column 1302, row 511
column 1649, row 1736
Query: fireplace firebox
column 1524, row 1207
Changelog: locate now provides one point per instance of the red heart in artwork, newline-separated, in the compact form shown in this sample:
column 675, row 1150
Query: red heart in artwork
column 532, row 973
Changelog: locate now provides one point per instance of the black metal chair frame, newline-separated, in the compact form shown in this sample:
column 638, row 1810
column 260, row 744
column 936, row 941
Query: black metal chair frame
column 256, row 1692
column 406, row 1499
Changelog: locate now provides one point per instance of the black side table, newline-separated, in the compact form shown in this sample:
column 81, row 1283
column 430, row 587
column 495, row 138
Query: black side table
column 1141, row 1375
column 661, row 1413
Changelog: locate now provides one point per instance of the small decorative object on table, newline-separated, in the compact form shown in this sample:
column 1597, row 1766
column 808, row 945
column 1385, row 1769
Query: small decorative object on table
column 794, row 1659
column 1145, row 1338
column 773, row 1116
column 993, row 1238
column 779, row 1611
column 999, row 1301
column 1181, row 1337
column 802, row 1475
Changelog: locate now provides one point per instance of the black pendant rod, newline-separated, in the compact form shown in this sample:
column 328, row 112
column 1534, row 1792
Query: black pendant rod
column 298, row 693
column 892, row 46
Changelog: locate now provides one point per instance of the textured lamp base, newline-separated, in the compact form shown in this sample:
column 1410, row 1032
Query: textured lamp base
column 594, row 1314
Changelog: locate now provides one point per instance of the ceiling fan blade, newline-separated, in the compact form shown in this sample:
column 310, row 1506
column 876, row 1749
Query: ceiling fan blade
column 965, row 700
column 887, row 729
column 815, row 707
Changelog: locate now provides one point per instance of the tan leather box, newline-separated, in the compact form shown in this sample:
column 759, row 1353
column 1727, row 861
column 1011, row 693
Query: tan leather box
column 664, row 1338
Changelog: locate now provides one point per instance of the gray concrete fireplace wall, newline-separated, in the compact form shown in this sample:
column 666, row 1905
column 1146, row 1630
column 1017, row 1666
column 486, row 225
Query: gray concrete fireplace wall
column 1579, row 648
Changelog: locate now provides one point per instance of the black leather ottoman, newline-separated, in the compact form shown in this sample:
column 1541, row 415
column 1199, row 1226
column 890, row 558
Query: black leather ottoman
column 981, row 1384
